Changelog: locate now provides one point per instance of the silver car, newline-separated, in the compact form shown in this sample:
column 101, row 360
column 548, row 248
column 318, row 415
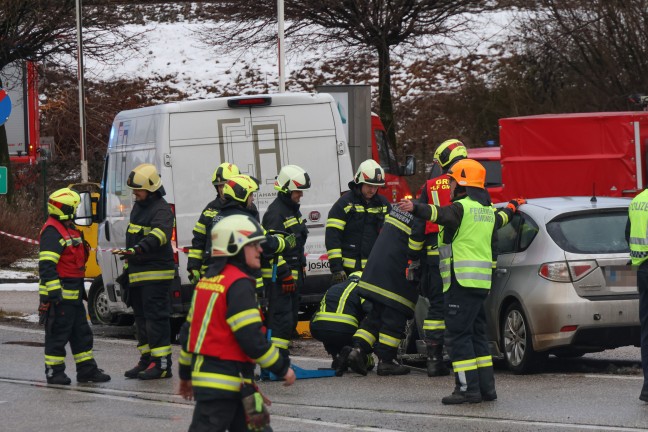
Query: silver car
column 563, row 283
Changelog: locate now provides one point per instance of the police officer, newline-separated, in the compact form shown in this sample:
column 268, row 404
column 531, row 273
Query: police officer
column 392, row 296
column 151, row 270
column 637, row 236
column 61, row 267
column 425, row 238
column 200, row 250
column 465, row 250
column 338, row 317
column 283, row 215
column 355, row 220
column 224, row 338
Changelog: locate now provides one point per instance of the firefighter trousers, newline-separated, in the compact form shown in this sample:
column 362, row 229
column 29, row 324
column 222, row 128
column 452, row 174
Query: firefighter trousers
column 466, row 340
column 384, row 328
column 642, row 286
column 283, row 310
column 68, row 323
column 219, row 415
column 152, row 309
column 333, row 340
column 432, row 290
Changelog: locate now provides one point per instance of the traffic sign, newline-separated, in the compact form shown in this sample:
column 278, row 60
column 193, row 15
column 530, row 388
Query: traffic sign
column 5, row 106
column 4, row 180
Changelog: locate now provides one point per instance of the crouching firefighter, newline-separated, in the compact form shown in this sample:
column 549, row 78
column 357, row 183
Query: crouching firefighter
column 338, row 317
column 224, row 337
column 466, row 234
column 151, row 270
column 61, row 267
column 392, row 296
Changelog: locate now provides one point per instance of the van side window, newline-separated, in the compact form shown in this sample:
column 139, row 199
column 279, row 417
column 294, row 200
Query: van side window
column 118, row 195
column 387, row 157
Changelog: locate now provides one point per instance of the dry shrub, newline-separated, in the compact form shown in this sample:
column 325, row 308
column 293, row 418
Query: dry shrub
column 22, row 218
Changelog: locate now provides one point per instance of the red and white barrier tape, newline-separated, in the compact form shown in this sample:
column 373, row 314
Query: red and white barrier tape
column 318, row 257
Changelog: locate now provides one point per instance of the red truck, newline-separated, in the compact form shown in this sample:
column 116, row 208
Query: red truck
column 23, row 125
column 582, row 154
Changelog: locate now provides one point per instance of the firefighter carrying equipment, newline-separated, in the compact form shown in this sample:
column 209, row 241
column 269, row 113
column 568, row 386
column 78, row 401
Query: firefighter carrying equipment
column 468, row 172
column 240, row 187
column 224, row 172
column 63, row 203
column 144, row 176
column 449, row 151
column 292, row 178
column 371, row 173
column 232, row 233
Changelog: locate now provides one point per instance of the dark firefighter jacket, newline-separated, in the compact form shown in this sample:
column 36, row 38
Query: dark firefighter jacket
column 352, row 228
column 383, row 280
column 283, row 215
column 200, row 250
column 150, row 228
column 425, row 234
column 225, row 334
column 341, row 308
column 61, row 262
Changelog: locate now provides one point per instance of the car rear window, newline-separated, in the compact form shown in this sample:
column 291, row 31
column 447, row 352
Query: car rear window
column 594, row 233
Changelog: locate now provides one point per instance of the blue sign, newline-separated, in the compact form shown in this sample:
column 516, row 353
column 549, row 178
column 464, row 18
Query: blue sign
column 5, row 106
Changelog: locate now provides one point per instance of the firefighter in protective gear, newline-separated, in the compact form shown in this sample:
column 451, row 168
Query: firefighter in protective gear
column 424, row 240
column 151, row 269
column 224, row 336
column 200, row 250
column 338, row 317
column 355, row 220
column 239, row 199
column 392, row 297
column 283, row 215
column 637, row 236
column 61, row 267
column 466, row 253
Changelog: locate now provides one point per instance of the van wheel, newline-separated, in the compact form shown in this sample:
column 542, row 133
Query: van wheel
column 517, row 343
column 98, row 304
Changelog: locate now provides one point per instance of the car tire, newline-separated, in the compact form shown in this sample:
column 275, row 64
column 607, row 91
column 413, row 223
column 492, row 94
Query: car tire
column 517, row 343
column 98, row 304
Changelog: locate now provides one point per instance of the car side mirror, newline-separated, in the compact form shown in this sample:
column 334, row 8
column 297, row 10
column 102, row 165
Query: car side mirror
column 83, row 216
column 409, row 168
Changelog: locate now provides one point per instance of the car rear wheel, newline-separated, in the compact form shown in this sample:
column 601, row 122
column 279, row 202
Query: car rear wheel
column 517, row 343
column 98, row 303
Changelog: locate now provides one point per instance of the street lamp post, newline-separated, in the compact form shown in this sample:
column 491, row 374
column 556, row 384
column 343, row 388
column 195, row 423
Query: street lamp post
column 282, row 58
column 82, row 123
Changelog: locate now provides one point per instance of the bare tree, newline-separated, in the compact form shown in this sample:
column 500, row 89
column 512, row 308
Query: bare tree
column 377, row 26
column 39, row 30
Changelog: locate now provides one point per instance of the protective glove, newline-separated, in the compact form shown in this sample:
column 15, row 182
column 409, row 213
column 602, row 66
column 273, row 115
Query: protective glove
column 194, row 276
column 288, row 284
column 130, row 251
column 338, row 277
column 413, row 271
column 43, row 312
column 515, row 203
column 291, row 241
column 257, row 416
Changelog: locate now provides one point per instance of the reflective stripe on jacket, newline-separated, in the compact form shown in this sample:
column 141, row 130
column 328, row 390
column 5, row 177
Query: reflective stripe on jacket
column 638, row 214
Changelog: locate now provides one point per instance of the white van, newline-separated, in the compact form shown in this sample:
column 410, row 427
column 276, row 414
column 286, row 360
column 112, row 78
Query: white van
column 186, row 141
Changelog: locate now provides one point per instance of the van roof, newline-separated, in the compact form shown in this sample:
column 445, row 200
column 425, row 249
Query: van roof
column 278, row 99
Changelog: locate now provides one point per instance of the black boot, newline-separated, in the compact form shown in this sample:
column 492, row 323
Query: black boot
column 459, row 397
column 391, row 368
column 487, row 383
column 435, row 365
column 59, row 378
column 96, row 375
column 158, row 369
column 139, row 367
column 371, row 363
column 358, row 361
column 343, row 361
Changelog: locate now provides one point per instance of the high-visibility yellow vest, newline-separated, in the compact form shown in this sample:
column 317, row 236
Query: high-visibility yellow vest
column 638, row 213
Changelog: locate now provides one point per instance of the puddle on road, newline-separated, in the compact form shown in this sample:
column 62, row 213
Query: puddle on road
column 25, row 343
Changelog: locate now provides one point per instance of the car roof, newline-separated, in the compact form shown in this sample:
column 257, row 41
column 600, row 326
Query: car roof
column 549, row 208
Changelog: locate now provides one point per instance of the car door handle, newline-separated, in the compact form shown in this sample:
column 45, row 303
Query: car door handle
column 501, row 271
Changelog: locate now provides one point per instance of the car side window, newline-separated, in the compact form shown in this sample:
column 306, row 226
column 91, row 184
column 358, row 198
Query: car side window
column 528, row 231
column 507, row 236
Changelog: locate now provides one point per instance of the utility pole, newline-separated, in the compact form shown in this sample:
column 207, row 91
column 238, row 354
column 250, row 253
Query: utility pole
column 82, row 124
column 282, row 57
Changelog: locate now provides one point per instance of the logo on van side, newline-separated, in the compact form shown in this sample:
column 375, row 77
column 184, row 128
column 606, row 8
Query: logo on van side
column 314, row 216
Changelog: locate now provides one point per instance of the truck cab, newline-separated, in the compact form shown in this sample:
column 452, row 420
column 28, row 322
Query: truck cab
column 396, row 187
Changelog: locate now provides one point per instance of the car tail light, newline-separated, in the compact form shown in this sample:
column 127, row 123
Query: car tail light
column 566, row 271
column 258, row 101
column 174, row 236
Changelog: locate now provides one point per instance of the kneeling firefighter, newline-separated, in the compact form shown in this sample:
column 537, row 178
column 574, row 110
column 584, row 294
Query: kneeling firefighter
column 61, row 267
